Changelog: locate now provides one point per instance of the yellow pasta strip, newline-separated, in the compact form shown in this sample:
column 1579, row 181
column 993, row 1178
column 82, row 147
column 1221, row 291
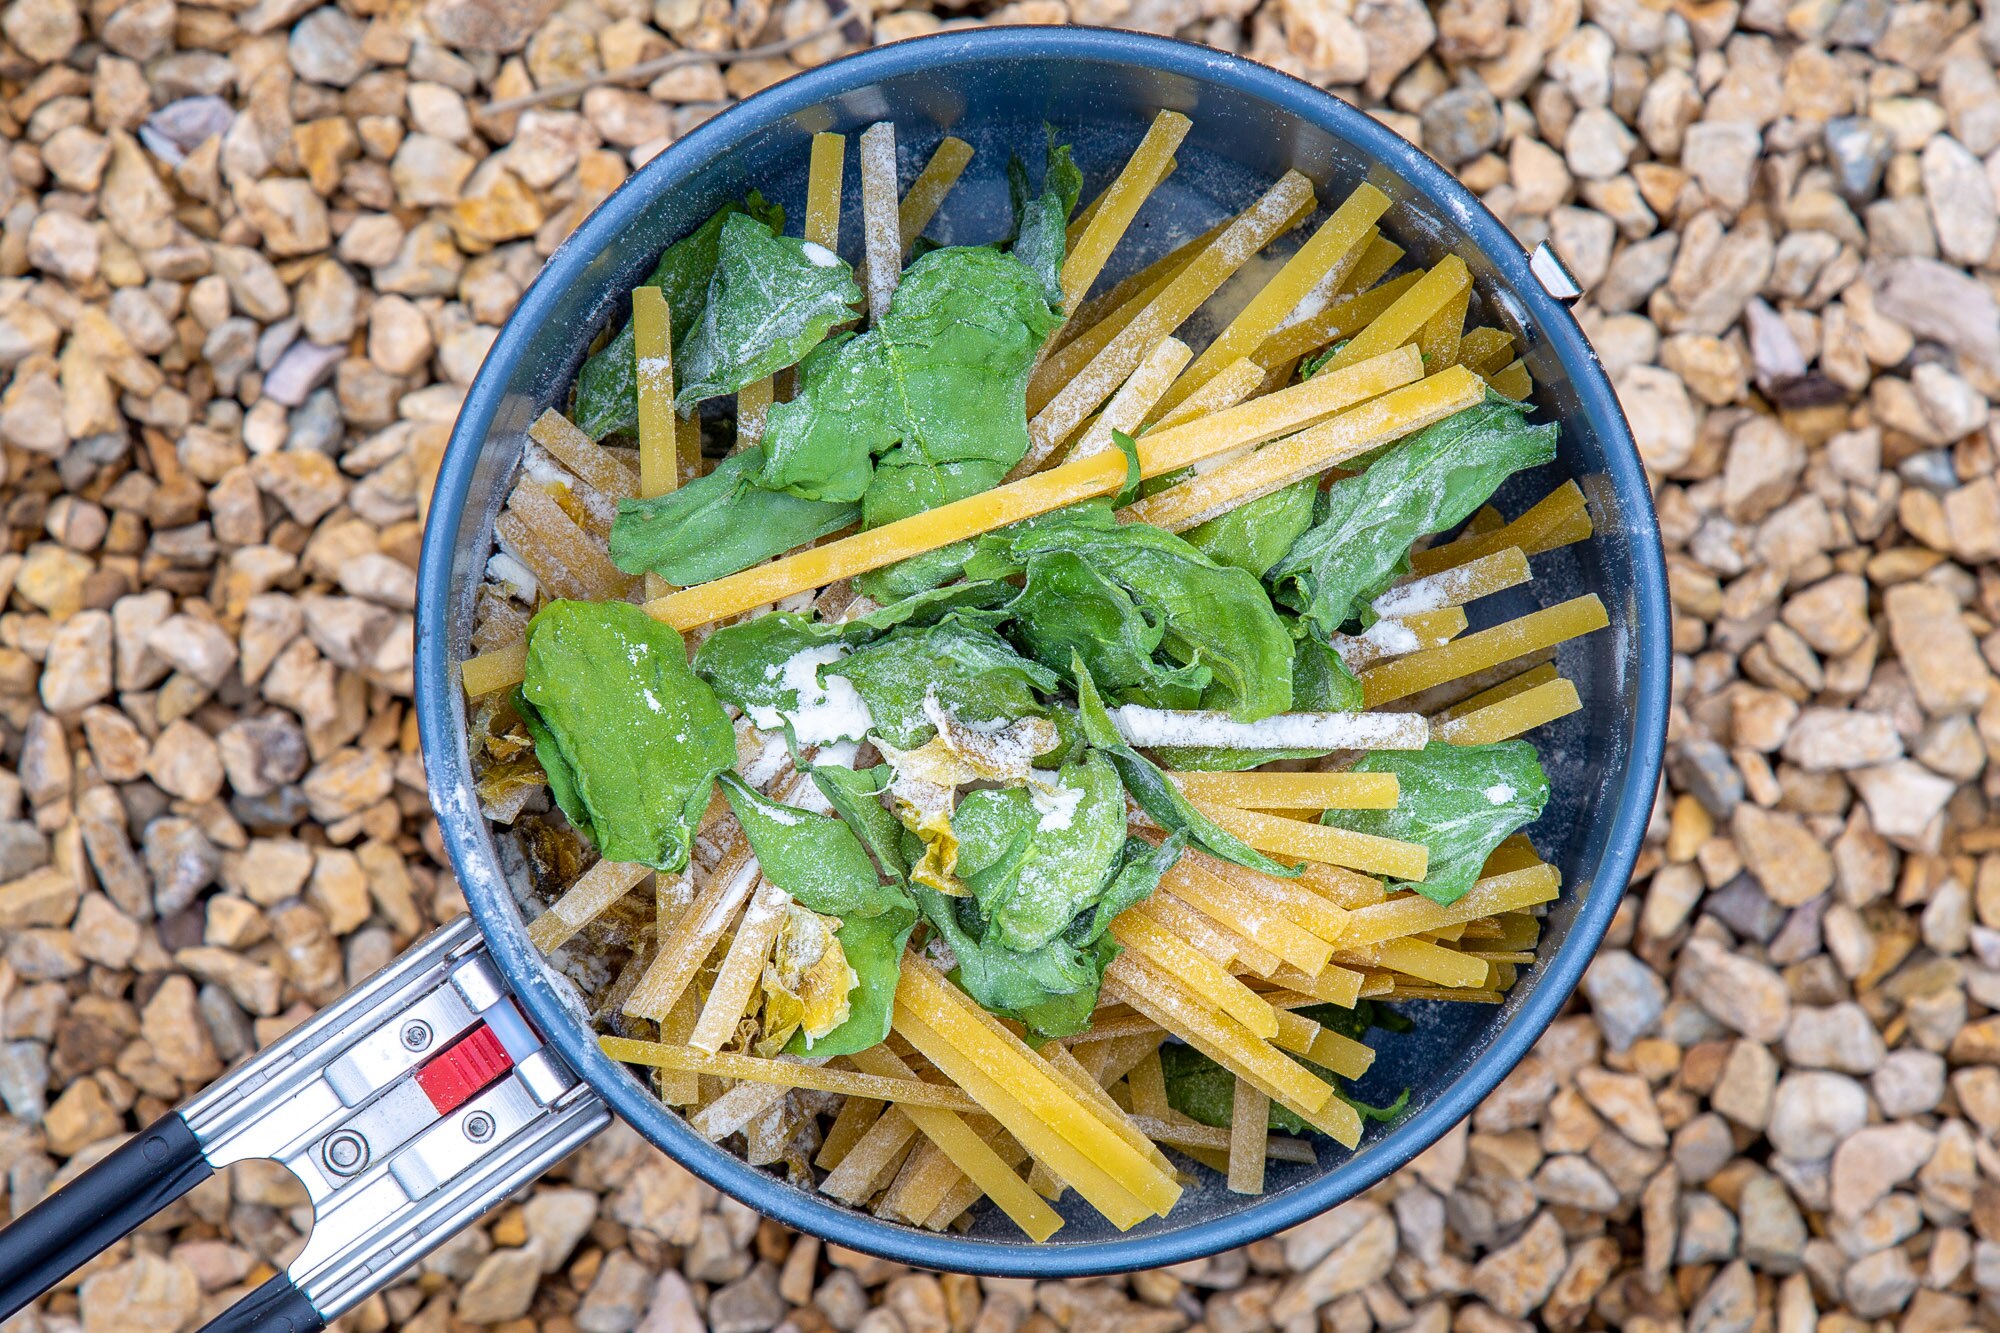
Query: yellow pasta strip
column 582, row 902
column 1401, row 992
column 1402, row 321
column 694, row 936
column 1480, row 650
column 1346, row 316
column 1332, row 984
column 879, row 1151
column 1518, row 930
column 1310, row 452
column 1323, row 1046
column 753, row 408
column 1160, row 452
column 652, row 347
column 1318, row 842
column 1380, row 256
column 1092, row 1094
column 1457, row 586
column 1070, row 1164
column 949, row 1029
column 679, row 1087
column 1134, row 399
column 583, row 456
column 1507, row 892
column 1230, row 386
column 853, row 1119
column 1511, row 716
column 927, row 192
column 1247, row 915
column 1557, row 519
column 1340, row 241
column 1303, row 905
column 1200, row 975
column 967, row 1192
column 1220, row 943
column 1084, row 389
column 969, row 1151
column 564, row 559
column 1113, row 214
column 1125, row 300
column 1249, row 1131
column 1420, row 630
column 1339, row 886
column 1514, row 853
column 1148, row 1081
column 1438, row 339
column 497, row 670
column 1064, row 360
column 1513, row 381
column 742, row 965
column 1085, row 215
column 1485, row 350
column 1224, row 1041
column 1293, row 791
column 1432, row 963
column 919, row 1188
column 1506, row 689
column 823, row 172
column 788, row 1073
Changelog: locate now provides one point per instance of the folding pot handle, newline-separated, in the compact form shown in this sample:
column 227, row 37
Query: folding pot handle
column 407, row 1109
column 92, row 1212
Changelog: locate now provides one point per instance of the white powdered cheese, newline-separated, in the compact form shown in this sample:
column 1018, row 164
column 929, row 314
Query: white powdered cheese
column 829, row 709
column 1286, row 731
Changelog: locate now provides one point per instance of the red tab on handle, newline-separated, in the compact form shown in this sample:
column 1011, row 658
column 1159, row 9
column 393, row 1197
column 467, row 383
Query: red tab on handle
column 461, row 1070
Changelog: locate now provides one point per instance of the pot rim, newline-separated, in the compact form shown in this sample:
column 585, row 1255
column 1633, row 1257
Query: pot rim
column 492, row 903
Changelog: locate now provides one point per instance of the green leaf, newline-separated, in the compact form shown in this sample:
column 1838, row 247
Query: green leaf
column 1418, row 486
column 917, row 574
column 607, row 388
column 1458, row 800
column 718, row 524
column 974, row 672
column 772, row 299
column 1040, row 223
column 1204, row 1091
column 815, row 858
column 1140, row 867
column 1067, row 605
column 1321, row 683
column 637, row 739
column 855, row 795
column 746, row 663
column 1130, row 490
column 820, row 862
column 1159, row 797
column 1207, row 615
column 928, row 406
column 874, row 949
column 1199, row 1088
column 1255, row 536
column 1052, row 989
column 1034, row 861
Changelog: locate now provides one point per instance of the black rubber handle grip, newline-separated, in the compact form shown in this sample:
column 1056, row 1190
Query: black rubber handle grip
column 54, row 1238
column 275, row 1307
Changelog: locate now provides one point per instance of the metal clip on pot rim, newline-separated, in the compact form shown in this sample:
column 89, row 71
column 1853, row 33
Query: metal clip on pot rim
column 406, row 1109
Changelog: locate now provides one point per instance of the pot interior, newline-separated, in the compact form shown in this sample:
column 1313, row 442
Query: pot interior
column 998, row 90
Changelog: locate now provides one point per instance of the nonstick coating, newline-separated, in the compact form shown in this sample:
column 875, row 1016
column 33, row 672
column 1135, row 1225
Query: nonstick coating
column 997, row 88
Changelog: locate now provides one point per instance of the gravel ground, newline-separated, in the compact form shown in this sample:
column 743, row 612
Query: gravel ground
column 251, row 256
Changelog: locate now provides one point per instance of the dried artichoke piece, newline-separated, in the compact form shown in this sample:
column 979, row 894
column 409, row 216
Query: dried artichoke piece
column 808, row 981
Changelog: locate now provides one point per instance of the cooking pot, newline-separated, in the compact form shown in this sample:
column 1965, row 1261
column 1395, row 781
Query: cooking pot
column 467, row 1067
